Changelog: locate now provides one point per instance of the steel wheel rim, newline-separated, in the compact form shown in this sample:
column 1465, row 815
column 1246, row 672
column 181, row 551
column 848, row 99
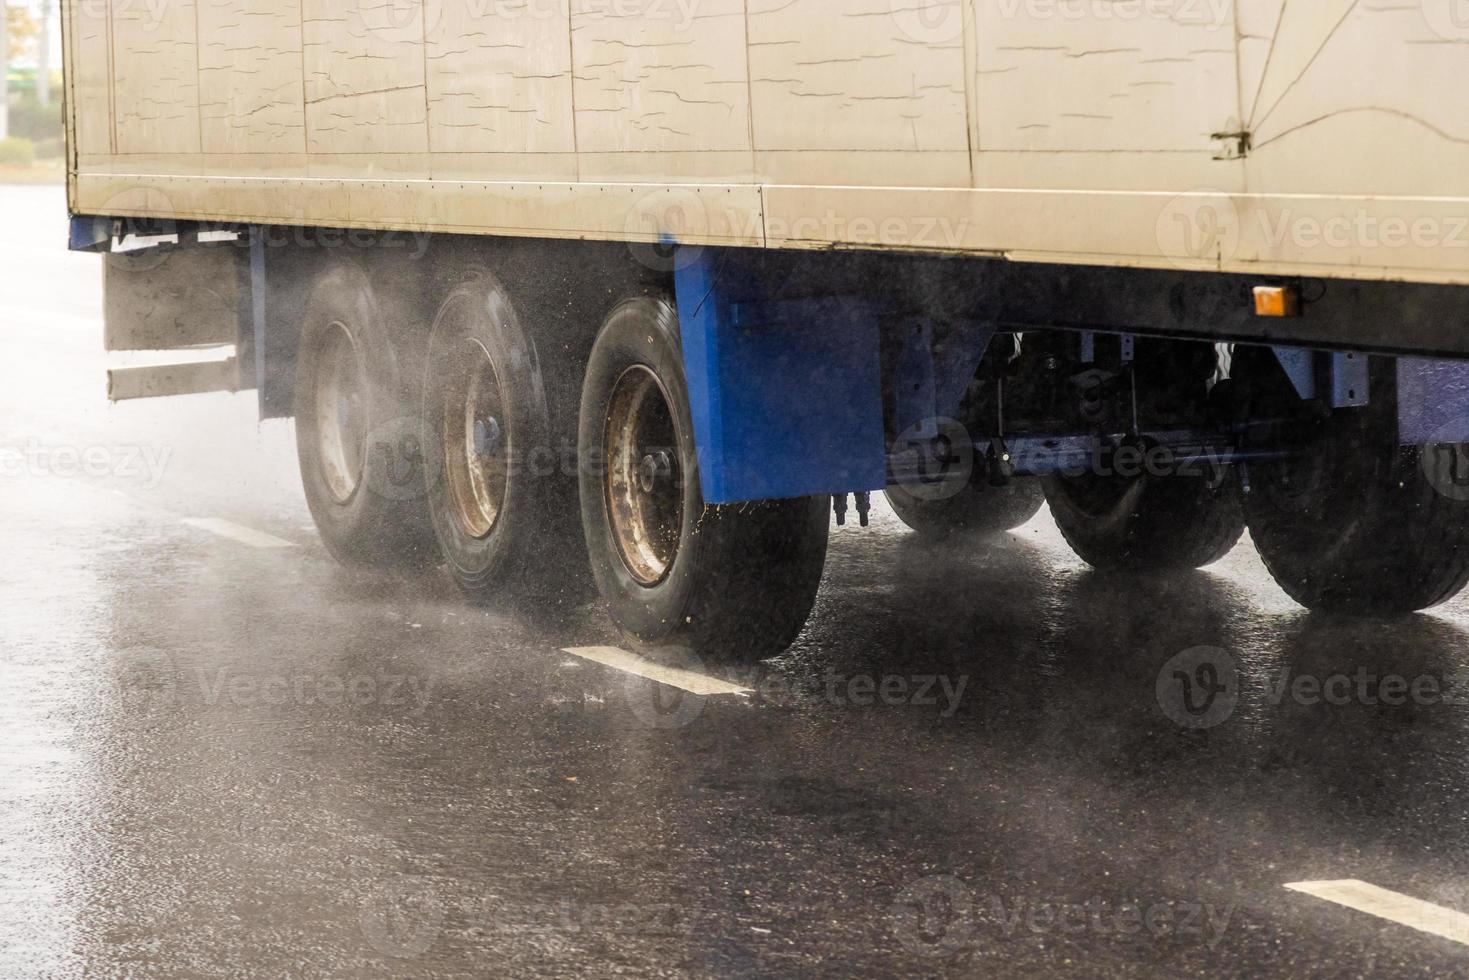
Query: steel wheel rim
column 644, row 478
column 476, row 443
column 341, row 414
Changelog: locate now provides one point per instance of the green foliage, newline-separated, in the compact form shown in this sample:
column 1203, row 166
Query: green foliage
column 34, row 122
column 17, row 151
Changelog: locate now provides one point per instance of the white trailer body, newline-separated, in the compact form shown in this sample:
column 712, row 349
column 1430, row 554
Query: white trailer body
column 651, row 288
column 1318, row 138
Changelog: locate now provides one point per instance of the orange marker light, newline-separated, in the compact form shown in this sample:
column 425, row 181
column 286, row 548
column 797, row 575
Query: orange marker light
column 1277, row 301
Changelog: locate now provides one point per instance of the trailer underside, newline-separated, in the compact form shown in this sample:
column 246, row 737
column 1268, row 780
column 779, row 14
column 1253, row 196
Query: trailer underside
column 654, row 387
column 806, row 368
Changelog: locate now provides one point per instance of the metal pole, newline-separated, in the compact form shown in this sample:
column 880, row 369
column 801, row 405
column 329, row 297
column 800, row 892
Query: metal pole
column 43, row 57
column 4, row 69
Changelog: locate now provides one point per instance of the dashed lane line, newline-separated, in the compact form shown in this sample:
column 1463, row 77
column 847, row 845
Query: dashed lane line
column 629, row 663
column 237, row 532
column 1402, row 909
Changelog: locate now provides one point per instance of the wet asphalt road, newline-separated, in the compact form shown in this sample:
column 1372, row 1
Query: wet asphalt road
column 219, row 758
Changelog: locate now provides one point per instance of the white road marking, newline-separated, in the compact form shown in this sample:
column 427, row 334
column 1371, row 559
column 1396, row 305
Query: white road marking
column 1402, row 909
column 684, row 680
column 236, row 532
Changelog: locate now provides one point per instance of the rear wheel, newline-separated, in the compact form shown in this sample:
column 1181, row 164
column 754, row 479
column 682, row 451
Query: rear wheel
column 973, row 510
column 1136, row 508
column 1354, row 522
column 358, row 436
column 735, row 581
column 1146, row 522
column 493, row 505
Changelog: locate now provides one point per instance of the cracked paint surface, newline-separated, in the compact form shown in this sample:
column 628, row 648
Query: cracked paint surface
column 1345, row 98
column 777, row 76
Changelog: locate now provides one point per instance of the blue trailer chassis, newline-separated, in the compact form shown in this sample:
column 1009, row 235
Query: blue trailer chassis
column 788, row 384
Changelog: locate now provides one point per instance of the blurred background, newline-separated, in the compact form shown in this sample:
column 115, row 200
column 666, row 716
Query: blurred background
column 32, row 145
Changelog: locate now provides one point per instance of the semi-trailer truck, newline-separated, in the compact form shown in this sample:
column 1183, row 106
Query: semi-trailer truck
column 651, row 290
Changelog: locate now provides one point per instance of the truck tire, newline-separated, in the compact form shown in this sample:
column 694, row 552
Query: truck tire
column 1148, row 522
column 357, row 432
column 973, row 511
column 736, row 582
column 492, row 504
column 1355, row 523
